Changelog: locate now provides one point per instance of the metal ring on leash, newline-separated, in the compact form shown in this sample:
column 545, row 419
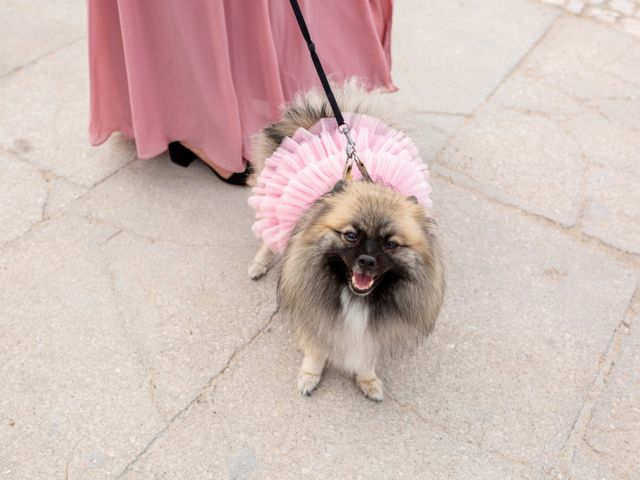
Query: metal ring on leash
column 352, row 156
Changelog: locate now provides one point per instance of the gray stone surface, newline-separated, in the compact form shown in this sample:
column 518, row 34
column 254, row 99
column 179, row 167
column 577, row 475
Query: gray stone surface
column 29, row 195
column 609, row 446
column 119, row 331
column 162, row 201
column 23, row 195
column 187, row 238
column 431, row 132
column 29, row 32
column 557, row 129
column 589, row 63
column 132, row 344
column 520, row 158
column 69, row 13
column 66, row 358
column 449, row 56
column 622, row 14
column 54, row 91
column 612, row 209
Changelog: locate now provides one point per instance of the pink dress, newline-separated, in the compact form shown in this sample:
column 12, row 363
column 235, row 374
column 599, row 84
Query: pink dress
column 212, row 72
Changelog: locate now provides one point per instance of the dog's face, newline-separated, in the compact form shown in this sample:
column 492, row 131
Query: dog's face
column 369, row 236
column 367, row 254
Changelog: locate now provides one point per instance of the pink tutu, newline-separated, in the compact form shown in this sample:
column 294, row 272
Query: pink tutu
column 308, row 165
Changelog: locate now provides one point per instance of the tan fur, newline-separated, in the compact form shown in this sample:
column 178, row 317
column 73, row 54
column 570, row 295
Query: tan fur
column 316, row 327
column 330, row 324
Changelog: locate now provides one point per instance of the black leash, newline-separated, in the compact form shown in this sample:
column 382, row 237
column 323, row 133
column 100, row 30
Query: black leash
column 343, row 127
column 316, row 62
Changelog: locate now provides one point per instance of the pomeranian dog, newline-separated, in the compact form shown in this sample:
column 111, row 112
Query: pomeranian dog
column 362, row 275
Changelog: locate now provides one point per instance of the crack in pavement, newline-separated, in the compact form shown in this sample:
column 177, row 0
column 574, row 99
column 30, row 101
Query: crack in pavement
column 60, row 212
column 69, row 458
column 148, row 238
column 19, row 68
column 516, row 66
column 211, row 384
column 47, row 173
column 629, row 259
column 459, row 436
column 111, row 237
column 597, row 388
column 93, row 219
column 430, row 423
column 470, row 117
column 45, row 204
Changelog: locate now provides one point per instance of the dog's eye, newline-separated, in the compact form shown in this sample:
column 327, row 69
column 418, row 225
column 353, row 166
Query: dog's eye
column 351, row 236
column 390, row 244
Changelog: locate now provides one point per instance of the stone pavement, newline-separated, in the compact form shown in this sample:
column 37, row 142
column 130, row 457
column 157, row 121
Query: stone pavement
column 133, row 346
column 624, row 14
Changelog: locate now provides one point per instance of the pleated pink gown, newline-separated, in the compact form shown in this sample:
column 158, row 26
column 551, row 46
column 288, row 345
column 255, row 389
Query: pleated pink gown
column 211, row 73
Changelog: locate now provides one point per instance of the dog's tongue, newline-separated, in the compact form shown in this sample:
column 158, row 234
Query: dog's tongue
column 362, row 281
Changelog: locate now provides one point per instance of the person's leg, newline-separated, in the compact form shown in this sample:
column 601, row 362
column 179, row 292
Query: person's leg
column 201, row 155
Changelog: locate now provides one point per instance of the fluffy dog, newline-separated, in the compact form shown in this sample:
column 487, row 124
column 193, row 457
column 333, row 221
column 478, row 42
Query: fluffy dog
column 362, row 275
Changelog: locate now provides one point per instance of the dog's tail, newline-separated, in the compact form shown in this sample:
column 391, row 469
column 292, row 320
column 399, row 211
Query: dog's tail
column 306, row 110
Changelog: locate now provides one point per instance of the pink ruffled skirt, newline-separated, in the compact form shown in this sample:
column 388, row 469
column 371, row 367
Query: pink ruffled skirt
column 308, row 165
column 211, row 73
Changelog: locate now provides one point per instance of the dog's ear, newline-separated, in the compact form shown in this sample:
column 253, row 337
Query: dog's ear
column 338, row 187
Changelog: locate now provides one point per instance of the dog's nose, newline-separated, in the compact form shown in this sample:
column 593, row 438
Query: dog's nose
column 367, row 261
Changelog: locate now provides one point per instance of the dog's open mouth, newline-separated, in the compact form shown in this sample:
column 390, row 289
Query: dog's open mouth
column 362, row 283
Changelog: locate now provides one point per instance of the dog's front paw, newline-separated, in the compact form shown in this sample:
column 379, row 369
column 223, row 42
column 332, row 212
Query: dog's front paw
column 256, row 270
column 307, row 383
column 372, row 388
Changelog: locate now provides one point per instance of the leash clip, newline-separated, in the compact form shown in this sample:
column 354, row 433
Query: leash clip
column 351, row 145
column 352, row 156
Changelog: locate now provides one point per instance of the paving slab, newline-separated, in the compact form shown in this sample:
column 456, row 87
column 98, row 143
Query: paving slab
column 114, row 330
column 449, row 56
column 55, row 92
column 520, row 159
column 66, row 360
column 543, row 139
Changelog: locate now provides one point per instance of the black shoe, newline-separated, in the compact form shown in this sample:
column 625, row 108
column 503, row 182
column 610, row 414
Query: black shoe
column 181, row 155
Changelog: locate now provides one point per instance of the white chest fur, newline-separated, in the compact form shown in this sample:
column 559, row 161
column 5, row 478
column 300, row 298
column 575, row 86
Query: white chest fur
column 357, row 347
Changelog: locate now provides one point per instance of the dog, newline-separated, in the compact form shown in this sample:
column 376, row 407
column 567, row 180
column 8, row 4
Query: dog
column 362, row 275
